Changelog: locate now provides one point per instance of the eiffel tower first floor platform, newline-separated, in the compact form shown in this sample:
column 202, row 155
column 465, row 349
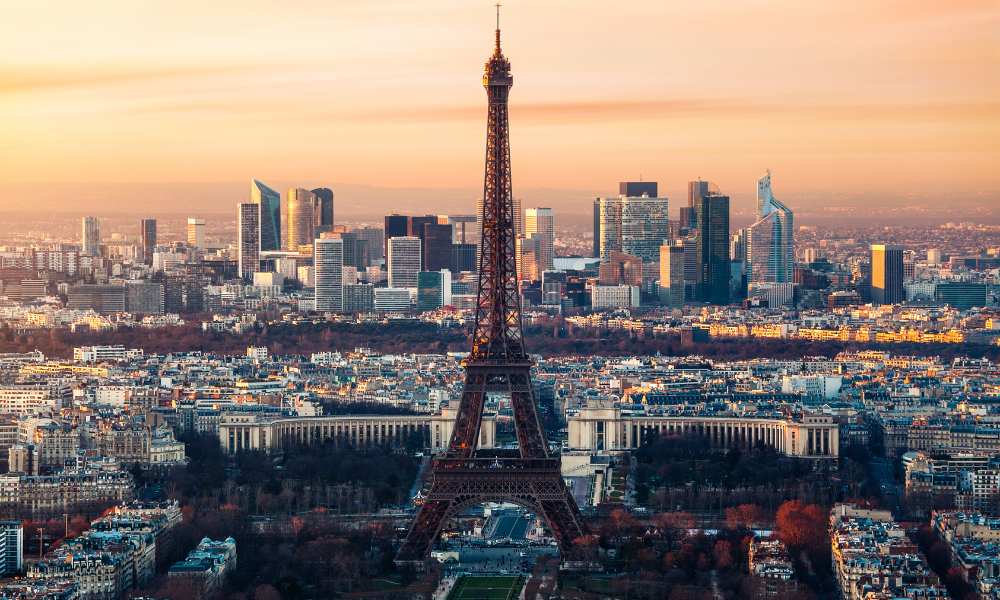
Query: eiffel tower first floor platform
column 534, row 484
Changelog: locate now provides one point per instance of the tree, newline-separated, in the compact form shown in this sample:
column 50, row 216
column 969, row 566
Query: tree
column 744, row 516
column 803, row 527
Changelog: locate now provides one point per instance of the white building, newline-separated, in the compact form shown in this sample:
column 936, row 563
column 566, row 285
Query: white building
column 26, row 399
column 257, row 352
column 404, row 262
column 390, row 299
column 614, row 296
column 96, row 354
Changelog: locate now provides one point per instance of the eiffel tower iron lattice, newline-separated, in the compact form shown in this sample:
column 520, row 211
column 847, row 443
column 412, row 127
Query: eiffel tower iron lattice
column 463, row 476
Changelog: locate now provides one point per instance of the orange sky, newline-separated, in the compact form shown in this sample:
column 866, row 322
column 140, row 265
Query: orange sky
column 886, row 95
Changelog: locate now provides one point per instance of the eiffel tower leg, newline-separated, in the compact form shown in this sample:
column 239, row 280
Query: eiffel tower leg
column 423, row 533
column 565, row 521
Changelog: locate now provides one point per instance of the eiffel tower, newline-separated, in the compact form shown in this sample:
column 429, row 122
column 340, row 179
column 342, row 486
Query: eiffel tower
column 463, row 476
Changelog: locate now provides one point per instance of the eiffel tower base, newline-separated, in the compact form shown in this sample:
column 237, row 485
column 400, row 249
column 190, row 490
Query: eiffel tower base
column 534, row 484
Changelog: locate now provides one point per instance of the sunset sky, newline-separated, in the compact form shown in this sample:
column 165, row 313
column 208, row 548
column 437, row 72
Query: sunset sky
column 881, row 95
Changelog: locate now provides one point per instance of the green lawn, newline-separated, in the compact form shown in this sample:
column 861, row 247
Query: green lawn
column 486, row 588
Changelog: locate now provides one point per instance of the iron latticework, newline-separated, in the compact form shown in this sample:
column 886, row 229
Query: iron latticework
column 498, row 364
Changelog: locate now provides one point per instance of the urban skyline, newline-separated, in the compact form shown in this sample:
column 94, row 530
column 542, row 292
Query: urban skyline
column 509, row 402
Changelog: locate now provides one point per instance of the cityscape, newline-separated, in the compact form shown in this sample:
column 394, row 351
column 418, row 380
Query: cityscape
column 312, row 389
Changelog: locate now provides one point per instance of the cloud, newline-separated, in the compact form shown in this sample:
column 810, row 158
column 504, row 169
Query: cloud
column 24, row 79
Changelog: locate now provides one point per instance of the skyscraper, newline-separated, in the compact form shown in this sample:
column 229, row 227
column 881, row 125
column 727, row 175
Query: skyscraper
column 887, row 274
column 645, row 226
column 464, row 228
column 376, row 242
column 637, row 189
column 395, row 226
column 436, row 243
column 403, row 261
column 90, row 237
column 712, row 247
column 672, row 275
column 433, row 289
column 637, row 225
column 696, row 190
column 357, row 250
column 248, row 238
column 270, row 214
column 738, row 245
column 299, row 219
column 541, row 222
column 328, row 260
column 463, row 257
column 610, row 216
column 597, row 228
column 196, row 232
column 147, row 235
column 322, row 210
column 770, row 252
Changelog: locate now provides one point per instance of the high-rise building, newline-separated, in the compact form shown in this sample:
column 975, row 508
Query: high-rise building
column 270, row 215
column 645, row 226
column 770, row 252
column 672, row 275
column 887, row 274
column 359, row 297
column 357, row 250
column 196, row 232
column 696, row 190
column 541, row 223
column 463, row 258
column 144, row 298
column 11, row 547
column 322, row 210
column 436, row 242
column 395, row 226
column 738, row 244
column 328, row 262
column 147, row 237
column 90, row 237
column 597, row 228
column 636, row 225
column 528, row 251
column 433, row 289
column 404, row 261
column 102, row 299
column 712, row 248
column 299, row 219
column 637, row 189
column 375, row 238
column 610, row 216
column 933, row 256
column 248, row 238
column 464, row 228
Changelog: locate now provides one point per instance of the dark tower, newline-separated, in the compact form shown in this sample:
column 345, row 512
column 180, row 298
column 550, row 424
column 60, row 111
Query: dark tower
column 463, row 476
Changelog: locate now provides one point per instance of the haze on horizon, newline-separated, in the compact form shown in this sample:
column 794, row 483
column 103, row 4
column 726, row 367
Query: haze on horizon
column 898, row 97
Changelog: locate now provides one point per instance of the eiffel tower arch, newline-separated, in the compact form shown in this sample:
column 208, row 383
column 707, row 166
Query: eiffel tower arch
column 463, row 476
